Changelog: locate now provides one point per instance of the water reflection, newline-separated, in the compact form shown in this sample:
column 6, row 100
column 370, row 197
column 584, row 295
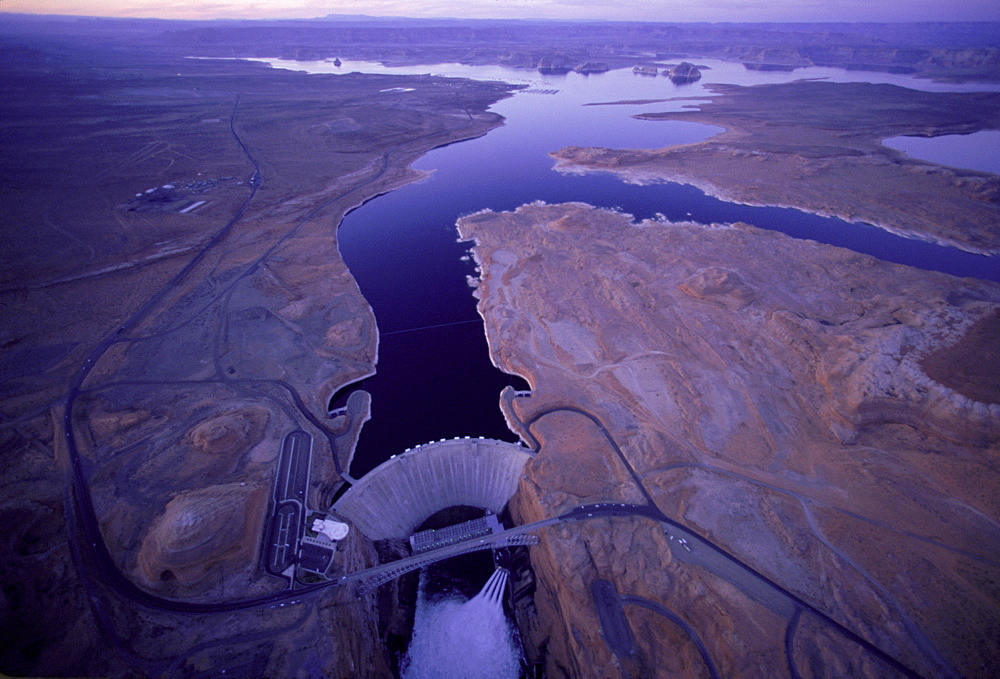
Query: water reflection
column 434, row 376
column 976, row 151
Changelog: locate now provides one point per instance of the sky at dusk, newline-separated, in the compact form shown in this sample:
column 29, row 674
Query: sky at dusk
column 629, row 10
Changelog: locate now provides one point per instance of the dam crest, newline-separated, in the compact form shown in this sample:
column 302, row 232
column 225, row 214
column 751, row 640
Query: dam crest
column 393, row 499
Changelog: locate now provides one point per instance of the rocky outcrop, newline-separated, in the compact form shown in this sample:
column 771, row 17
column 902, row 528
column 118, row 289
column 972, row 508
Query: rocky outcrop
column 203, row 530
column 969, row 366
column 230, row 433
column 720, row 286
column 518, row 60
column 766, row 394
column 684, row 72
column 555, row 64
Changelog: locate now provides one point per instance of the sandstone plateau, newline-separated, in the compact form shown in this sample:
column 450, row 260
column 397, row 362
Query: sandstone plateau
column 786, row 400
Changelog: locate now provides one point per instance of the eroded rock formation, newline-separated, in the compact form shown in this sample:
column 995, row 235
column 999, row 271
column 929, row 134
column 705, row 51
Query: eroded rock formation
column 230, row 433
column 203, row 530
column 767, row 394
column 685, row 72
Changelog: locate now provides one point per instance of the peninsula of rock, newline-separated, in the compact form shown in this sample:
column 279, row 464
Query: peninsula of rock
column 781, row 398
column 814, row 145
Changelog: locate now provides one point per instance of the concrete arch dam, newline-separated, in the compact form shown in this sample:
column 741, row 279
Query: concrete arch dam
column 393, row 499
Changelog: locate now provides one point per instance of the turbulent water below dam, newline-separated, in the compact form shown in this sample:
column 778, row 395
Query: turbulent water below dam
column 457, row 638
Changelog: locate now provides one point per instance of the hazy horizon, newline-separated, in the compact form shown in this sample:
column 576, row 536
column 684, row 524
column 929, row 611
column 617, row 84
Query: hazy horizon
column 679, row 11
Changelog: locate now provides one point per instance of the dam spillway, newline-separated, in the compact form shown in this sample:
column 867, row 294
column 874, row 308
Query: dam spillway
column 393, row 499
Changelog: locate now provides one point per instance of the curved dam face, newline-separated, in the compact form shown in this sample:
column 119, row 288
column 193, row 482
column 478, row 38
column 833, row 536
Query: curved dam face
column 393, row 499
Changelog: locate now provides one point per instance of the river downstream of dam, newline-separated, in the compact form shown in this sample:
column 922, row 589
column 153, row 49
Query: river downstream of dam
column 434, row 377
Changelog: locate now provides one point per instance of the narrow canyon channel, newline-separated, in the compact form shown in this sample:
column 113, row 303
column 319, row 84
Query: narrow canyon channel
column 435, row 379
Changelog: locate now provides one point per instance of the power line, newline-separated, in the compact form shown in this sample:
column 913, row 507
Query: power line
column 429, row 327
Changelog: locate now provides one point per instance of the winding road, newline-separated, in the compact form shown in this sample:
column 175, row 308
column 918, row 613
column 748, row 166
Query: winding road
column 93, row 558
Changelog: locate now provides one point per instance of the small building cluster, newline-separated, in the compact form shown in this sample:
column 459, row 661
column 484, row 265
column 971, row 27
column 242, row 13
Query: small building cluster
column 181, row 197
column 319, row 543
column 426, row 540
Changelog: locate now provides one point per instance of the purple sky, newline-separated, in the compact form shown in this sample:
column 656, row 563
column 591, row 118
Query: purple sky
column 639, row 10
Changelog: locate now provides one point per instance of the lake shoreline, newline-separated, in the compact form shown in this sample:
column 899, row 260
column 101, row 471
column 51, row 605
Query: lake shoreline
column 790, row 145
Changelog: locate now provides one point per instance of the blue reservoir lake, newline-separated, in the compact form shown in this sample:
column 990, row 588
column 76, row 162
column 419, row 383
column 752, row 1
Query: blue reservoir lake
column 976, row 151
column 434, row 377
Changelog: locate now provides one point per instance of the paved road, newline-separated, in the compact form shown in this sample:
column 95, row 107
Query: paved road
column 293, row 468
column 94, row 560
column 718, row 560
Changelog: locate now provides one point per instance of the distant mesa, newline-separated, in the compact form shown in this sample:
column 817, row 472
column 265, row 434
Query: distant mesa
column 768, row 67
column 200, row 530
column 518, row 60
column 592, row 67
column 646, row 70
column 684, row 72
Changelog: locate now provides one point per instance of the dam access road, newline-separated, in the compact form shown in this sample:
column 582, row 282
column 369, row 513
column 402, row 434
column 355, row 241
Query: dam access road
column 290, row 484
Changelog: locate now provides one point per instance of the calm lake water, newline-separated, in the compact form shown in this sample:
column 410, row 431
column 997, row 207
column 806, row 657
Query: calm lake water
column 976, row 151
column 434, row 376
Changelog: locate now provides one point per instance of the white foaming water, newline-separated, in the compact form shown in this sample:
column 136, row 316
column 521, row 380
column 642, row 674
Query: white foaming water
column 456, row 639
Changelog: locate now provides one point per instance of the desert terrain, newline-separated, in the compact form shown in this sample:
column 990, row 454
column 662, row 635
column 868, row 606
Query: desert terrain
column 175, row 307
column 782, row 399
column 175, row 304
